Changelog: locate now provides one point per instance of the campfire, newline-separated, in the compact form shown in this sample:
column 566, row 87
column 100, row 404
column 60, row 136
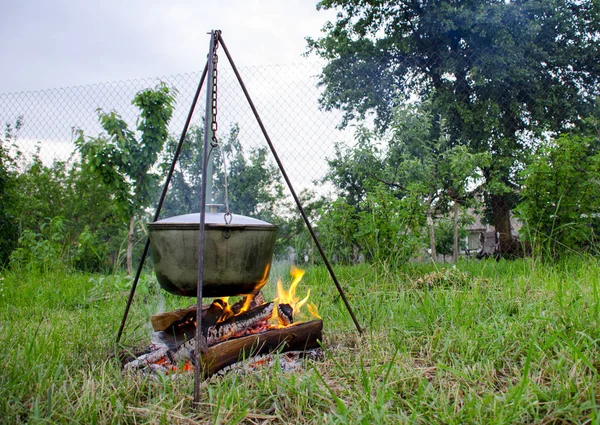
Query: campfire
column 233, row 331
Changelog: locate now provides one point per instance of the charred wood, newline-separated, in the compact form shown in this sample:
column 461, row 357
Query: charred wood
column 300, row 336
column 253, row 301
column 285, row 314
column 162, row 321
column 228, row 328
column 147, row 359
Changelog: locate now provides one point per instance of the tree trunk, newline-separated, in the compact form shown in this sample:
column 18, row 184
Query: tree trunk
column 501, row 212
column 431, row 234
column 130, row 246
column 455, row 252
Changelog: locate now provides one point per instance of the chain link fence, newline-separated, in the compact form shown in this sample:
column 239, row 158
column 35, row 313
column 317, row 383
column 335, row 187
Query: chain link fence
column 286, row 98
column 304, row 135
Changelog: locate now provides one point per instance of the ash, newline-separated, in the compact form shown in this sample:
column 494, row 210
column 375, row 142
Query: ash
column 289, row 361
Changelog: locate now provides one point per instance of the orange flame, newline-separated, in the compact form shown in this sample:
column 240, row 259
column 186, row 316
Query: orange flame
column 313, row 310
column 290, row 297
column 227, row 311
column 247, row 302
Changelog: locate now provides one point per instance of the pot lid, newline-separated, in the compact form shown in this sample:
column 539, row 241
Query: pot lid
column 213, row 218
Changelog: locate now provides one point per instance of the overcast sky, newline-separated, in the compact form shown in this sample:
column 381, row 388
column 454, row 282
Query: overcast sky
column 59, row 43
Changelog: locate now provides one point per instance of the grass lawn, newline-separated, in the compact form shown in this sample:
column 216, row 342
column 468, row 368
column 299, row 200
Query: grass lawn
column 487, row 342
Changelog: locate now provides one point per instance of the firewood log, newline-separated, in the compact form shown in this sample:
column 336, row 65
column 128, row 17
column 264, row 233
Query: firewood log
column 285, row 313
column 162, row 321
column 224, row 330
column 300, row 336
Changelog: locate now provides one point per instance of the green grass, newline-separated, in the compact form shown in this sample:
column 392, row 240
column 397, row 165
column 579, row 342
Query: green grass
column 487, row 342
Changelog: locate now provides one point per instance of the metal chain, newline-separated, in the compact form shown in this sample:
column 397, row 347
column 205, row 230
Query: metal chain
column 228, row 216
column 215, row 126
column 215, row 73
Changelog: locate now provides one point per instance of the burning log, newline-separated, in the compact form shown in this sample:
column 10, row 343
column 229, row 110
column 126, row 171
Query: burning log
column 250, row 301
column 147, row 359
column 285, row 314
column 243, row 321
column 162, row 321
column 214, row 313
column 185, row 351
column 246, row 328
column 300, row 336
column 211, row 313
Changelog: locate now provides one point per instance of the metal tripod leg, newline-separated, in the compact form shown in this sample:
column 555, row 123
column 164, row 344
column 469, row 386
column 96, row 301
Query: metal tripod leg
column 289, row 184
column 160, row 202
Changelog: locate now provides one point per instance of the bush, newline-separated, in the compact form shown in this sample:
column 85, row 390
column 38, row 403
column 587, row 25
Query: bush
column 43, row 251
column 8, row 220
column 383, row 228
column 561, row 197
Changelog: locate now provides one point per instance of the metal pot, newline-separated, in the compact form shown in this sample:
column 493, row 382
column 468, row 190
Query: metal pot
column 237, row 256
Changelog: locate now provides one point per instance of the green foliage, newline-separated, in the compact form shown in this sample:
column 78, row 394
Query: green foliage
column 498, row 73
column 183, row 196
column 353, row 169
column 69, row 193
column 414, row 171
column 389, row 228
column 53, row 214
column 383, row 228
column 444, row 236
column 124, row 161
column 8, row 193
column 45, row 251
column 491, row 63
column 338, row 228
column 561, row 196
column 293, row 232
column 422, row 157
column 254, row 183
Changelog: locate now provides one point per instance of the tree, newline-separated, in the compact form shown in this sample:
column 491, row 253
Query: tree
column 500, row 72
column 460, row 172
column 254, row 183
column 414, row 159
column 183, row 196
column 355, row 172
column 124, row 161
column 62, row 195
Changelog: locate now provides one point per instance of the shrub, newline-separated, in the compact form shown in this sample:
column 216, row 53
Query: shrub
column 561, row 197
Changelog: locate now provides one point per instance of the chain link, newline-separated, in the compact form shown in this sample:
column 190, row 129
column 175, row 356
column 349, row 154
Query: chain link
column 215, row 74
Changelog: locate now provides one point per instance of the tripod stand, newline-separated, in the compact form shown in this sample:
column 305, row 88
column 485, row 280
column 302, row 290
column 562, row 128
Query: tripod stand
column 210, row 69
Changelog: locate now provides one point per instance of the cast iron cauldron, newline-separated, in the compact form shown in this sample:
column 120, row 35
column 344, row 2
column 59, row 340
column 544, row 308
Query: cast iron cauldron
column 237, row 256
